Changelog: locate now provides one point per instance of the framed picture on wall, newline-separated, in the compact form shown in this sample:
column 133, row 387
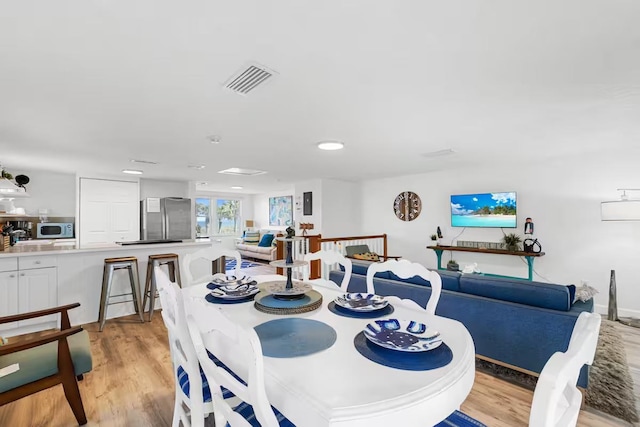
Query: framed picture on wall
column 281, row 210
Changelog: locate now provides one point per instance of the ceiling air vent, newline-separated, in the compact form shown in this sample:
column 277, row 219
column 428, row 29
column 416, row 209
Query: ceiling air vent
column 248, row 78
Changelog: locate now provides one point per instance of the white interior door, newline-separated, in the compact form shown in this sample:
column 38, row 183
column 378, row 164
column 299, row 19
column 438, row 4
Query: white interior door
column 109, row 211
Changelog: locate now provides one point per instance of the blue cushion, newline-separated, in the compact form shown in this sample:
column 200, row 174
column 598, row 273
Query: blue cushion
column 572, row 293
column 266, row 240
column 450, row 280
column 251, row 237
column 246, row 411
column 536, row 294
column 460, row 419
column 183, row 380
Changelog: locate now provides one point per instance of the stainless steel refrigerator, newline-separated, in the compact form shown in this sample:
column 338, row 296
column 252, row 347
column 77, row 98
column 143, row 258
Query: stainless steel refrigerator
column 165, row 218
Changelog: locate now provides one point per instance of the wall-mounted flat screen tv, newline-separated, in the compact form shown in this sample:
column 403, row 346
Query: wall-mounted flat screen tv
column 484, row 210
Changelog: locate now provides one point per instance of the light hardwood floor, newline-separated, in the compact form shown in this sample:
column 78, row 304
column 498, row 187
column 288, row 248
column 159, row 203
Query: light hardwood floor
column 132, row 385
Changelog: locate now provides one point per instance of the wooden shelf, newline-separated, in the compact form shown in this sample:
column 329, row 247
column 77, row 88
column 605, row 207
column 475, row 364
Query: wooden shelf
column 529, row 256
column 486, row 251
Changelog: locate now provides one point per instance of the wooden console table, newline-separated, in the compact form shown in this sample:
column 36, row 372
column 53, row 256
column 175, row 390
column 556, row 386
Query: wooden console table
column 530, row 256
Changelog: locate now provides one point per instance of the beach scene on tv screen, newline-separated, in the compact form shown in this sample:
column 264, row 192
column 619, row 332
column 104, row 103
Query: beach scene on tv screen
column 484, row 210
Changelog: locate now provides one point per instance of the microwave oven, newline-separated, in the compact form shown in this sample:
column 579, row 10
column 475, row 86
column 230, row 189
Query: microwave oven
column 55, row 230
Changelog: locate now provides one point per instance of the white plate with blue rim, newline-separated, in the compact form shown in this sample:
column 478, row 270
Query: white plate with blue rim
column 222, row 279
column 235, row 291
column 402, row 335
column 361, row 302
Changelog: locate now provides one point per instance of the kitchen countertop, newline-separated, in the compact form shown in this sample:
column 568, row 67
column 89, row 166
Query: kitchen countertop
column 67, row 248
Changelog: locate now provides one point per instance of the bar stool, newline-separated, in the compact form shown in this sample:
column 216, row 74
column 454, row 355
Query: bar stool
column 110, row 266
column 172, row 263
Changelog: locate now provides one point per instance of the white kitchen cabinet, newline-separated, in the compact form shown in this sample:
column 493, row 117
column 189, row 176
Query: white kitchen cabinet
column 28, row 284
column 8, row 297
column 37, row 290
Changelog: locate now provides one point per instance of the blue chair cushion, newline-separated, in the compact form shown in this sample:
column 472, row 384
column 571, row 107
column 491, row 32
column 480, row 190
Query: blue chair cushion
column 183, row 380
column 246, row 411
column 266, row 241
column 460, row 419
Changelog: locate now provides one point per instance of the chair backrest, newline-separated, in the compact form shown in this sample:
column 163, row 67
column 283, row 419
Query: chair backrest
column 557, row 400
column 406, row 269
column 356, row 249
column 242, row 343
column 183, row 353
column 328, row 257
column 209, row 254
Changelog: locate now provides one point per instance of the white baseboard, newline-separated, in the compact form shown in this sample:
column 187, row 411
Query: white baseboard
column 622, row 312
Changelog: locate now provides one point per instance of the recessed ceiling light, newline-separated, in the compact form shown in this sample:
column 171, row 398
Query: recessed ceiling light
column 330, row 145
column 146, row 162
column 132, row 171
column 197, row 166
column 236, row 187
column 214, row 139
column 242, row 171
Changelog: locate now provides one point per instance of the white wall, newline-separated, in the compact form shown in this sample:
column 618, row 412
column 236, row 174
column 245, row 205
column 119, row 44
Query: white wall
column 341, row 201
column 161, row 188
column 562, row 197
column 315, row 187
column 54, row 191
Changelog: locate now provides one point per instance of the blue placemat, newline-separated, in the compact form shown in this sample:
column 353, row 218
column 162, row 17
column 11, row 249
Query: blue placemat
column 213, row 300
column 341, row 311
column 423, row 361
column 293, row 337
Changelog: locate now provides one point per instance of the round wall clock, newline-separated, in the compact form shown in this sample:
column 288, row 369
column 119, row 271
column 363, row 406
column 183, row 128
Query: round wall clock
column 407, row 206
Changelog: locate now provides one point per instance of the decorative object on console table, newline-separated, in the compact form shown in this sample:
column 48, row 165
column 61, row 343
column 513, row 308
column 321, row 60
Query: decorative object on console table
column 304, row 226
column 512, row 241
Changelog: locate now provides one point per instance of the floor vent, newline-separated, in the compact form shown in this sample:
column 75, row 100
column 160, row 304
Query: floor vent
column 248, row 78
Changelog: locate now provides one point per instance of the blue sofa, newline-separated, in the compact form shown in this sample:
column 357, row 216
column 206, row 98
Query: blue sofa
column 515, row 323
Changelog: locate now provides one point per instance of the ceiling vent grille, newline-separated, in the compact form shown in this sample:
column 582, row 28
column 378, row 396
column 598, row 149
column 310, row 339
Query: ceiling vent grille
column 248, row 78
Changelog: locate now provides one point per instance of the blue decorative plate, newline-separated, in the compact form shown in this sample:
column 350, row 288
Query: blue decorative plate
column 402, row 335
column 221, row 279
column 235, row 291
column 361, row 302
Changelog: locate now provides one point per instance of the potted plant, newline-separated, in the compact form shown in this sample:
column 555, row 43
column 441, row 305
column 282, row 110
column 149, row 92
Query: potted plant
column 434, row 239
column 512, row 241
column 452, row 265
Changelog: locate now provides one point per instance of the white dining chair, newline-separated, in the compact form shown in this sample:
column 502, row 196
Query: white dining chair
column 329, row 258
column 204, row 257
column 556, row 399
column 191, row 389
column 406, row 269
column 244, row 344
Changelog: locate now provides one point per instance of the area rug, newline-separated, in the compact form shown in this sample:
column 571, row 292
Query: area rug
column 610, row 385
column 231, row 264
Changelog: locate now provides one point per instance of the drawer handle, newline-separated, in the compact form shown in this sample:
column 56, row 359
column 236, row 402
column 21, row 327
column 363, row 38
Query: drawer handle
column 37, row 262
column 12, row 276
column 22, row 274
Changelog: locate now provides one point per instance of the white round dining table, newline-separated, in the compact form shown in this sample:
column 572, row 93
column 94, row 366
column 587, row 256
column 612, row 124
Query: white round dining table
column 340, row 387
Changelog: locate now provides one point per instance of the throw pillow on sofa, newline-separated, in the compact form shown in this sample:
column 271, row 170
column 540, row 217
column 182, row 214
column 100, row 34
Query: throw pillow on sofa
column 266, row 241
column 585, row 292
column 251, row 237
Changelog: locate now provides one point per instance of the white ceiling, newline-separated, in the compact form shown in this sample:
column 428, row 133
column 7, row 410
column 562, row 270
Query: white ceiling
column 90, row 84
